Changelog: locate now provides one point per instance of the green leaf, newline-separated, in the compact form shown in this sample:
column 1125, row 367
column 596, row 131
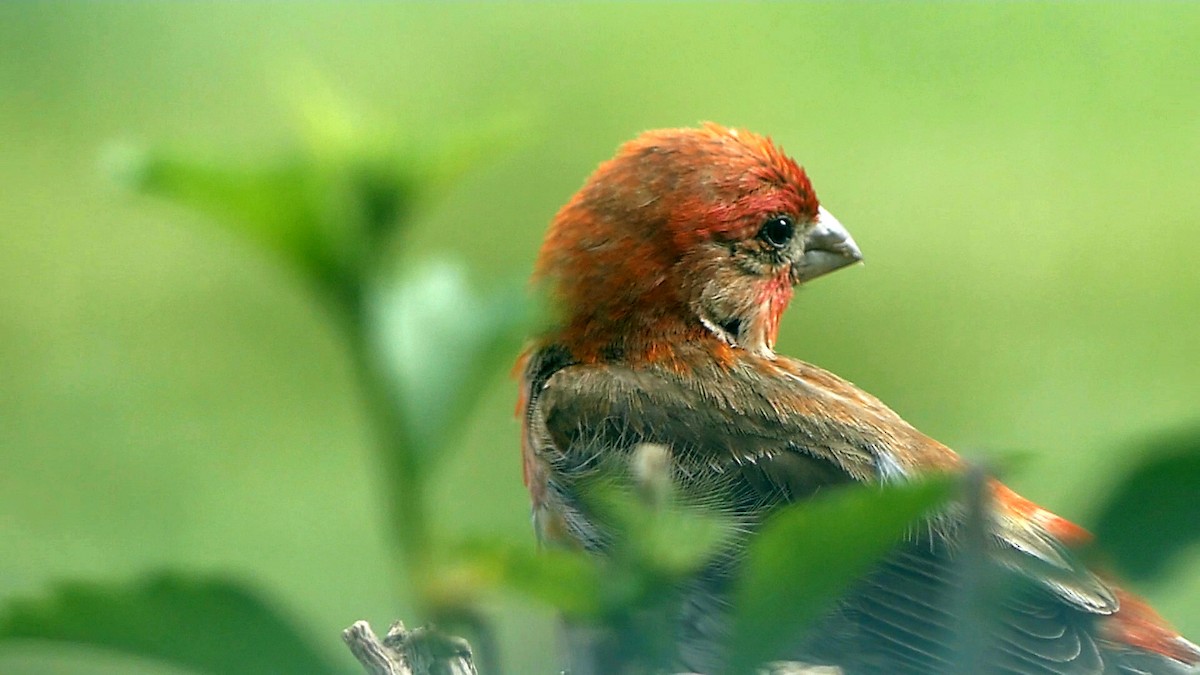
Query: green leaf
column 440, row 341
column 662, row 539
column 570, row 581
column 808, row 555
column 276, row 205
column 328, row 206
column 207, row 625
column 337, row 130
column 676, row 542
column 1153, row 515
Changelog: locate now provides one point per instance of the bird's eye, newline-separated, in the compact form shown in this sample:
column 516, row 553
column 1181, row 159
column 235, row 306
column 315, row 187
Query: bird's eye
column 777, row 231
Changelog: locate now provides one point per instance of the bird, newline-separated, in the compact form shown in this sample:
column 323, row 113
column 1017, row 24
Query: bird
column 669, row 271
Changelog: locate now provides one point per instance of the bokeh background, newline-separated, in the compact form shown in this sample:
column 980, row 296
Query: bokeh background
column 1021, row 177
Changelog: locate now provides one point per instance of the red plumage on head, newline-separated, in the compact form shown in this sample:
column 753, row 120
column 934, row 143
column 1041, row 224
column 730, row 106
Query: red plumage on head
column 612, row 250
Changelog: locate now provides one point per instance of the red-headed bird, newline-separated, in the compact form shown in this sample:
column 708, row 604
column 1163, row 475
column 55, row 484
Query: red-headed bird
column 671, row 268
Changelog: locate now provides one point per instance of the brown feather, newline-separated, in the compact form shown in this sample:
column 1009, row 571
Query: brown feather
column 671, row 305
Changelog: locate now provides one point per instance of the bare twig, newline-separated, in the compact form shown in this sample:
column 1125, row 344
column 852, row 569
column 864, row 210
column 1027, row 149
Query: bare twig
column 795, row 668
column 422, row 651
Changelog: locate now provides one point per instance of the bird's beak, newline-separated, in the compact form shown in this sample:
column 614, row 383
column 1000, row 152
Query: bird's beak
column 827, row 247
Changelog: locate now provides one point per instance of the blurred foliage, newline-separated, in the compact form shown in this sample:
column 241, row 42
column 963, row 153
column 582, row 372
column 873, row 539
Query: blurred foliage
column 331, row 206
column 630, row 596
column 422, row 348
column 807, row 556
column 192, row 411
column 204, row 624
column 1152, row 517
column 439, row 341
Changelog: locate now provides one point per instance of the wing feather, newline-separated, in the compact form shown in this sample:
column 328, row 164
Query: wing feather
column 777, row 432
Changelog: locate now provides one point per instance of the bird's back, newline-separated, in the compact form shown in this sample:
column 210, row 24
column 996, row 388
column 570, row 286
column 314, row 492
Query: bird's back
column 761, row 435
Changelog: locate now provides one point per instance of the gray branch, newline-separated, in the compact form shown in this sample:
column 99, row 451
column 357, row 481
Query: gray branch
column 422, row 651
column 425, row 651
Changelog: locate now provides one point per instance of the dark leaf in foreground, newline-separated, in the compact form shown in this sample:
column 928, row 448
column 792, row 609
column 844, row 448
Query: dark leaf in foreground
column 805, row 557
column 570, row 581
column 202, row 624
column 1153, row 514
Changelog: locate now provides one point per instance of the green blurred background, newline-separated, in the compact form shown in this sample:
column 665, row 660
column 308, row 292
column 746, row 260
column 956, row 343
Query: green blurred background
column 1022, row 179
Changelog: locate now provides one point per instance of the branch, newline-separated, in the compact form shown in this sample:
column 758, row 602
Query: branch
column 422, row 651
column 425, row 651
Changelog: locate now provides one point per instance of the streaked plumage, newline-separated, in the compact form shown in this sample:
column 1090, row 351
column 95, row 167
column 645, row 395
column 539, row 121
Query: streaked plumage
column 672, row 267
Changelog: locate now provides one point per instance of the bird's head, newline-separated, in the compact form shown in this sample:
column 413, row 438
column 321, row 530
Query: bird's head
column 687, row 233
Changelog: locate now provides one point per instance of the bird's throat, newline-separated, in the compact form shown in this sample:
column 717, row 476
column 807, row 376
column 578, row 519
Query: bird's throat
column 773, row 301
column 756, row 326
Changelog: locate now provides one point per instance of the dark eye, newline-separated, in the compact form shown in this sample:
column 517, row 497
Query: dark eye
column 777, row 231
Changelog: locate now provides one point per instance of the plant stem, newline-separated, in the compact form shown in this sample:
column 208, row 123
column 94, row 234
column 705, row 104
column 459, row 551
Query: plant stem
column 403, row 493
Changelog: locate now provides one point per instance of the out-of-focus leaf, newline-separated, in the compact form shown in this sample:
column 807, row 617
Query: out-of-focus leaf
column 1153, row 514
column 327, row 218
column 440, row 340
column 653, row 550
column 338, row 131
column 663, row 534
column 206, row 625
column 278, row 206
column 667, row 540
column 676, row 541
column 806, row 556
column 570, row 581
column 329, row 206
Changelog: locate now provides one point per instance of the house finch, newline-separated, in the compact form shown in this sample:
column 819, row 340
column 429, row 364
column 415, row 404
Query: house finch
column 671, row 267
